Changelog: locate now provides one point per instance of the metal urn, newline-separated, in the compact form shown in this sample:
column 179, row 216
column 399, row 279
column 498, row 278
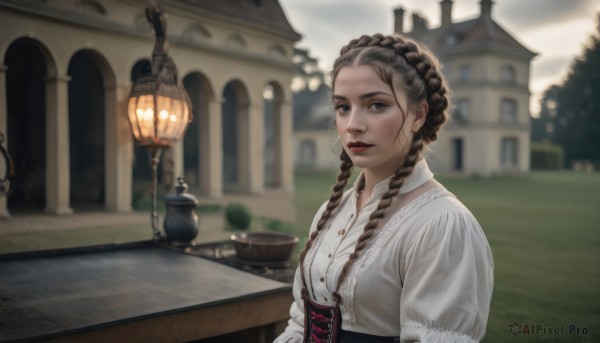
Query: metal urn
column 181, row 220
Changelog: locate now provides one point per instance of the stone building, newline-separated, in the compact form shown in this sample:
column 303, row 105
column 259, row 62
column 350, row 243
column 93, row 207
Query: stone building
column 65, row 77
column 488, row 73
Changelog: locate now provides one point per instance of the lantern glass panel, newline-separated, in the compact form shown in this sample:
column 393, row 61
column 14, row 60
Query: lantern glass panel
column 173, row 117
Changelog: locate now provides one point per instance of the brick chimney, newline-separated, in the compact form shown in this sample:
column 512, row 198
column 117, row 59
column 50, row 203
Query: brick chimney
column 419, row 23
column 446, row 13
column 398, row 19
column 486, row 8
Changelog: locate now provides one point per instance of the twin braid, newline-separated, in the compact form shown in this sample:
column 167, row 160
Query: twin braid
column 334, row 201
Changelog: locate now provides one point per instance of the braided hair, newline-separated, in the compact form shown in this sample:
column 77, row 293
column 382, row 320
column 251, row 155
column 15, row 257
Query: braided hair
column 400, row 62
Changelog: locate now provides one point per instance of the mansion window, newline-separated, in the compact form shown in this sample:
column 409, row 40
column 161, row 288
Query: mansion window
column 508, row 110
column 307, row 154
column 509, row 149
column 462, row 109
column 464, row 73
column 508, row 74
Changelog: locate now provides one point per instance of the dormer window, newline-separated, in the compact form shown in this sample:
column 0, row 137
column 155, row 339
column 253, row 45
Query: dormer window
column 277, row 50
column 91, row 7
column 196, row 34
column 236, row 41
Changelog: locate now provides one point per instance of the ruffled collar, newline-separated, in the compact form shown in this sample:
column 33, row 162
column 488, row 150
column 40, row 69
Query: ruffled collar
column 418, row 177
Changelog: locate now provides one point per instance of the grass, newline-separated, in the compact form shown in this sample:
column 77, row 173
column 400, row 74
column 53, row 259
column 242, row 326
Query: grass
column 544, row 231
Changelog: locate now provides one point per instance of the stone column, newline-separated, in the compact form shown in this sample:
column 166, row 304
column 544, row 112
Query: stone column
column 254, row 164
column 4, row 213
column 169, row 159
column 57, row 147
column 118, row 151
column 277, row 144
column 286, row 154
column 211, row 151
column 177, row 157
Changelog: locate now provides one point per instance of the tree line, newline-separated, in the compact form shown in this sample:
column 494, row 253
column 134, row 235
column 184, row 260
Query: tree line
column 570, row 112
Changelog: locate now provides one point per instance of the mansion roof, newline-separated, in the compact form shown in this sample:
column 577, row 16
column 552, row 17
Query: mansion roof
column 480, row 34
column 266, row 14
column 471, row 35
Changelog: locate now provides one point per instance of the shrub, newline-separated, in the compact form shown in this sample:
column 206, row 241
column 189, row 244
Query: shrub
column 275, row 225
column 238, row 216
column 546, row 156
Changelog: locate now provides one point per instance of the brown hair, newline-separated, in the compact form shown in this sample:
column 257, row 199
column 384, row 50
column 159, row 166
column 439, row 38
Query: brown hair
column 417, row 71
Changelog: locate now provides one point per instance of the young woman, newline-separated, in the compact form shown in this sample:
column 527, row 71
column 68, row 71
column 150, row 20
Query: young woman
column 397, row 256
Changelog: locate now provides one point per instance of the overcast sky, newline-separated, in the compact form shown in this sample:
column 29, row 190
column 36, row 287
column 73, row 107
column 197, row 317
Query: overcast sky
column 555, row 29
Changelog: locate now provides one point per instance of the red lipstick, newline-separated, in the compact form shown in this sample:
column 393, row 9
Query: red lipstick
column 358, row 147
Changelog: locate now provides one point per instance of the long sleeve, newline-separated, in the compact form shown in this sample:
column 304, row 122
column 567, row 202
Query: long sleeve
column 447, row 275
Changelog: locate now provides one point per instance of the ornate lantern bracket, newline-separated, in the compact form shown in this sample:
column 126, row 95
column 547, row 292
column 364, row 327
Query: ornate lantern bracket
column 159, row 107
column 9, row 167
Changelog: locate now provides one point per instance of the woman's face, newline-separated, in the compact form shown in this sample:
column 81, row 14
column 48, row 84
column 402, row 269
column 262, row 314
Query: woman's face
column 374, row 131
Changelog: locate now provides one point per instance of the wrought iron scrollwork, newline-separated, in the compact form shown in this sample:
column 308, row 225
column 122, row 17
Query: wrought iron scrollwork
column 9, row 173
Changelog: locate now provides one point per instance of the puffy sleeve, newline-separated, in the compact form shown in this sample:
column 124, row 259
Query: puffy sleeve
column 447, row 275
column 294, row 332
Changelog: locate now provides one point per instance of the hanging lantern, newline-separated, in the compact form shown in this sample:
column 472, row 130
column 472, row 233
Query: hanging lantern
column 159, row 108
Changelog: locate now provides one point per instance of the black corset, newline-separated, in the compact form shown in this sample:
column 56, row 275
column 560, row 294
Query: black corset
column 322, row 323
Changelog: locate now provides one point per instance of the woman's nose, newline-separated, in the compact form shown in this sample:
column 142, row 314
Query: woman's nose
column 356, row 122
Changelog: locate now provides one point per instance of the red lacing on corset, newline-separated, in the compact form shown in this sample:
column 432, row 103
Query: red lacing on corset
column 322, row 322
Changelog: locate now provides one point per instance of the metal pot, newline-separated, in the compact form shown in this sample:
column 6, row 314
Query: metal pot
column 181, row 220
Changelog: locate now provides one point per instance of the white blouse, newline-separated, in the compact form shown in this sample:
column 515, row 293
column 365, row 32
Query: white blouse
column 425, row 276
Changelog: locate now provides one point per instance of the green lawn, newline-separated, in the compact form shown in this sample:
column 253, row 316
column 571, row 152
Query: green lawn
column 544, row 231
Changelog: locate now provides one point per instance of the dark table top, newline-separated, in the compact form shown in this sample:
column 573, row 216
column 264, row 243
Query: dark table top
column 45, row 294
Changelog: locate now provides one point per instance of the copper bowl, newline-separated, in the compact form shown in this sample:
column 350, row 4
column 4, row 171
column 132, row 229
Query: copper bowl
column 264, row 246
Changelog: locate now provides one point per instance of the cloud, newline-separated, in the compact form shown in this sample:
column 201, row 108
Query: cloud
column 549, row 70
column 524, row 16
column 328, row 25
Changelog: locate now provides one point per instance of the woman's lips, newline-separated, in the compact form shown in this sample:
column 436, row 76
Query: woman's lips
column 358, row 147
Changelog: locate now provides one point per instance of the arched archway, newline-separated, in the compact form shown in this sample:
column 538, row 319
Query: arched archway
column 28, row 67
column 87, row 129
column 235, row 138
column 272, row 102
column 196, row 143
